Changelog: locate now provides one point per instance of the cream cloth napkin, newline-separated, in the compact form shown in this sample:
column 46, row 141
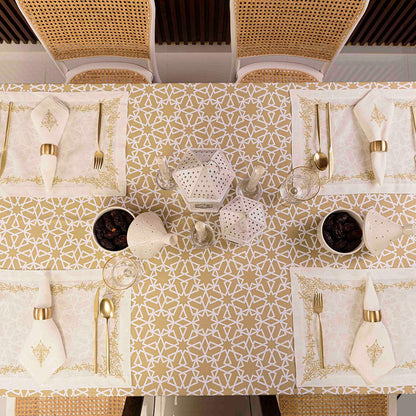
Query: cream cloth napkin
column 352, row 160
column 75, row 175
column 372, row 353
column 73, row 294
column 43, row 352
column 49, row 118
column 374, row 114
column 343, row 294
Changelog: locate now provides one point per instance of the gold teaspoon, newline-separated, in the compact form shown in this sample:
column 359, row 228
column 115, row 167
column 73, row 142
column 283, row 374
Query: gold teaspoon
column 319, row 158
column 107, row 312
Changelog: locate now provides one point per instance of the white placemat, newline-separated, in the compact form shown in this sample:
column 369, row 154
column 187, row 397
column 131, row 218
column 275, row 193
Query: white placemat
column 352, row 164
column 73, row 295
column 75, row 175
column 343, row 292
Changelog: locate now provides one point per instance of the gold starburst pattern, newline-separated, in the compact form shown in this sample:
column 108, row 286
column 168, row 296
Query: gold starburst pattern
column 49, row 121
column 374, row 352
column 41, row 352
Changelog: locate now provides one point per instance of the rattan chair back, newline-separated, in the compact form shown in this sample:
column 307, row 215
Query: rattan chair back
column 334, row 405
column 72, row 29
column 315, row 29
column 69, row 406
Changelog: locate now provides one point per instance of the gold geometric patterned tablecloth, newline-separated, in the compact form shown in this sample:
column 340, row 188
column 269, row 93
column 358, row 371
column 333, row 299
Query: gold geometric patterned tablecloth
column 213, row 322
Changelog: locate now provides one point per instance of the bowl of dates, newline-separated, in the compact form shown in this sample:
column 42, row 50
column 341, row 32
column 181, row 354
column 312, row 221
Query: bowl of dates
column 341, row 232
column 110, row 228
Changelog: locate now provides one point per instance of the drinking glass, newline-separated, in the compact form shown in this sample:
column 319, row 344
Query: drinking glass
column 301, row 184
column 120, row 272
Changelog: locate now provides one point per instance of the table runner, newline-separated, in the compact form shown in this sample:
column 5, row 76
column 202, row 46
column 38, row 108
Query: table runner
column 75, row 175
column 73, row 295
column 343, row 293
column 353, row 173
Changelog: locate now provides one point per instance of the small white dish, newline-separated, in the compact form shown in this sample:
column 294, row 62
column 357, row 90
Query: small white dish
column 325, row 244
column 99, row 215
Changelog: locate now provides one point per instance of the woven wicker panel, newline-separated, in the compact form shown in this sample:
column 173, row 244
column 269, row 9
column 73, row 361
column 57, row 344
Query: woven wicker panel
column 277, row 75
column 334, row 405
column 308, row 28
column 82, row 28
column 108, row 76
column 69, row 406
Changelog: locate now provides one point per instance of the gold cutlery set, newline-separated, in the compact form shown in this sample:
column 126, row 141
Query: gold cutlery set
column 320, row 159
column 318, row 307
column 414, row 126
column 106, row 309
column 6, row 139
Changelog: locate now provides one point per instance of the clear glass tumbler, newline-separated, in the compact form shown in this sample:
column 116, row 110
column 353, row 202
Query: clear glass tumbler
column 120, row 272
column 301, row 184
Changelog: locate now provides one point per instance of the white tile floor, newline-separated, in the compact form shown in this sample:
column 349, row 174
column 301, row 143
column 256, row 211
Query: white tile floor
column 30, row 64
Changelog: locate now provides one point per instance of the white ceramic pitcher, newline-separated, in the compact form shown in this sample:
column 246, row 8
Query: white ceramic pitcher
column 147, row 235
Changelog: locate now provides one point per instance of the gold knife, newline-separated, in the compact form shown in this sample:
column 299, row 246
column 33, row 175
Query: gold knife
column 330, row 151
column 6, row 139
column 96, row 312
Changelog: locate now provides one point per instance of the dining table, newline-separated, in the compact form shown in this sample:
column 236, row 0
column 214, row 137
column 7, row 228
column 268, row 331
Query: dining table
column 215, row 321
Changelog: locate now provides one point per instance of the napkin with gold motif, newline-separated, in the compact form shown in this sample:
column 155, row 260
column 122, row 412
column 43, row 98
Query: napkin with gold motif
column 374, row 113
column 49, row 118
column 43, row 351
column 372, row 352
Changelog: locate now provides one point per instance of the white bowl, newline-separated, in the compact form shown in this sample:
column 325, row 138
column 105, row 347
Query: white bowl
column 324, row 243
column 95, row 220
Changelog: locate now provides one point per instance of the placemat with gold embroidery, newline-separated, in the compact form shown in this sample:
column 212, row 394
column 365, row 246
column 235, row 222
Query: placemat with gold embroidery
column 343, row 292
column 352, row 164
column 73, row 295
column 75, row 175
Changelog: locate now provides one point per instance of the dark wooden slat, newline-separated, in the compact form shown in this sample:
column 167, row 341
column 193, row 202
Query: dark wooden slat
column 193, row 22
column 133, row 406
column 389, row 22
column 11, row 9
column 201, row 4
column 164, row 18
column 399, row 21
column 184, row 27
column 269, row 406
column 384, row 16
column 175, row 29
column 211, row 24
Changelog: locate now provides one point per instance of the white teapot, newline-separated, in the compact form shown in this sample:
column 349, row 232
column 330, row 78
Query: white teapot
column 147, row 235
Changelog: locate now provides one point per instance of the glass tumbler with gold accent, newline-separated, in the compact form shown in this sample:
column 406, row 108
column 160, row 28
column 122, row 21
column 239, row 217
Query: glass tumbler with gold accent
column 301, row 184
column 120, row 272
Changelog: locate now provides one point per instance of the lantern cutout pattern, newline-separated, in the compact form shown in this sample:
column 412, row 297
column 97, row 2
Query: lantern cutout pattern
column 242, row 220
column 204, row 177
column 380, row 232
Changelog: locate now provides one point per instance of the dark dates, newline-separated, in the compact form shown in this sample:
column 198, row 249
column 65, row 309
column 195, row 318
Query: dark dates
column 342, row 232
column 111, row 228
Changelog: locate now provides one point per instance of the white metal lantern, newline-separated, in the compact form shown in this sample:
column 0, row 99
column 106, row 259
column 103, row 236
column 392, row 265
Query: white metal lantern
column 204, row 177
column 242, row 220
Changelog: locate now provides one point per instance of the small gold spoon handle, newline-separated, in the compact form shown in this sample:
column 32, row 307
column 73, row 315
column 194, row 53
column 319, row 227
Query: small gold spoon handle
column 107, row 348
column 414, row 125
column 318, row 128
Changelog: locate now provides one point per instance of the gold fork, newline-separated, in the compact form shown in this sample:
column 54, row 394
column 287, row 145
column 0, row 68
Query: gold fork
column 99, row 155
column 318, row 306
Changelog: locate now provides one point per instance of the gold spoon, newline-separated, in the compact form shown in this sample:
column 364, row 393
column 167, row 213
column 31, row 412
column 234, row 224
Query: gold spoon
column 107, row 311
column 319, row 158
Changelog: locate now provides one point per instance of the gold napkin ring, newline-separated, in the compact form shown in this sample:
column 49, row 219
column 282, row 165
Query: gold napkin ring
column 49, row 149
column 372, row 316
column 378, row 146
column 40, row 314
